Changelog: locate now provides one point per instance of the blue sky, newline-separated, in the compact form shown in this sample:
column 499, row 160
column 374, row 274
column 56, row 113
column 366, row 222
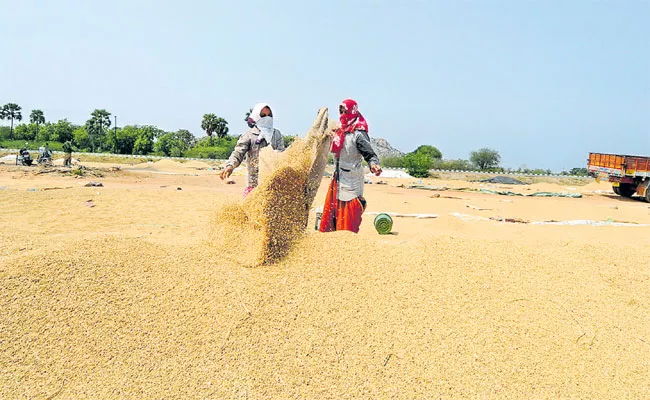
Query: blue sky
column 542, row 82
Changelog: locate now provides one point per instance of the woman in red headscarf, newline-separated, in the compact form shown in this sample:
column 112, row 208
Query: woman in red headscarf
column 344, row 202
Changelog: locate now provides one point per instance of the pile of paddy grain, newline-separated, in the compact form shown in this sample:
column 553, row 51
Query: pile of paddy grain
column 196, row 165
column 262, row 228
column 167, row 163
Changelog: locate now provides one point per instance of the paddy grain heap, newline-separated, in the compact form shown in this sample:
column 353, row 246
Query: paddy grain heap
column 264, row 226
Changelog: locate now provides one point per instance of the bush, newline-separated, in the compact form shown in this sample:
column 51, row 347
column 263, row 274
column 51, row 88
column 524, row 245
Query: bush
column 122, row 141
column 176, row 152
column 77, row 172
column 453, row 165
column 143, row 144
column 393, row 162
column 219, row 151
column 288, row 139
column 418, row 164
column 579, row 171
column 45, row 132
column 12, row 144
column 169, row 143
column 81, row 139
column 26, row 132
column 214, row 153
column 430, row 151
column 495, row 169
column 18, row 144
column 227, row 142
column 537, row 171
column 5, row 132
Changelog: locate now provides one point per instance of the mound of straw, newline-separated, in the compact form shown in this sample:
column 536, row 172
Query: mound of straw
column 264, row 226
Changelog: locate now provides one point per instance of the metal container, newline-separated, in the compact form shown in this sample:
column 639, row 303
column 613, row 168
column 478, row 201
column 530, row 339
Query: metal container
column 383, row 224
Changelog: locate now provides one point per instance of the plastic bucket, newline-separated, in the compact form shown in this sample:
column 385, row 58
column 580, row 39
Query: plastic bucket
column 383, row 224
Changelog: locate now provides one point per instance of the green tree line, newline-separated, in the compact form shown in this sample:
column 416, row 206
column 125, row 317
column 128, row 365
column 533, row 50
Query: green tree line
column 425, row 158
column 420, row 161
column 98, row 135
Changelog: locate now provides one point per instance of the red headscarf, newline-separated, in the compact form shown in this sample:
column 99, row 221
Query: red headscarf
column 351, row 120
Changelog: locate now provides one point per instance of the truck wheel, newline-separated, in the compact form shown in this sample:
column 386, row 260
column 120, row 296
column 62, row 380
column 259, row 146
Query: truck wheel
column 626, row 189
column 615, row 189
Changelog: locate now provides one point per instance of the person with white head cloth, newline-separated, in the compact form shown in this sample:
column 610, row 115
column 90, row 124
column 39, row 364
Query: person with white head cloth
column 261, row 134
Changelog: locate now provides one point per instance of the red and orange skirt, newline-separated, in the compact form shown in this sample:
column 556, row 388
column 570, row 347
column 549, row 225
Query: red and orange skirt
column 341, row 215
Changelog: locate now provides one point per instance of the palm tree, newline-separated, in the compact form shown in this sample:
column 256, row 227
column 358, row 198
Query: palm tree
column 11, row 111
column 221, row 128
column 213, row 124
column 36, row 117
column 209, row 125
column 99, row 119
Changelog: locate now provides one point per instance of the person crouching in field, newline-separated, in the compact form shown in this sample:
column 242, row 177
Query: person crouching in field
column 344, row 202
column 260, row 134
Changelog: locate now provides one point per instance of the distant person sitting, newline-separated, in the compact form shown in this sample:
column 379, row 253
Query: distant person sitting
column 24, row 158
column 47, row 153
column 260, row 134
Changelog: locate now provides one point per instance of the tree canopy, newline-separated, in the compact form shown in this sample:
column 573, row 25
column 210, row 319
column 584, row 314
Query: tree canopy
column 212, row 124
column 11, row 111
column 430, row 151
column 485, row 158
column 99, row 121
column 37, row 117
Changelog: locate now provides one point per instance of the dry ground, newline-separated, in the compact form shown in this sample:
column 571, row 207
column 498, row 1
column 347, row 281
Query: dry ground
column 120, row 292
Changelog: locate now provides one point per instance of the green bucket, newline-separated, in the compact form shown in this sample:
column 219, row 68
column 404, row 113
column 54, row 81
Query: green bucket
column 383, row 224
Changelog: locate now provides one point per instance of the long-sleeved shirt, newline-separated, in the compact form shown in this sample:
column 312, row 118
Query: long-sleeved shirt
column 249, row 145
column 356, row 148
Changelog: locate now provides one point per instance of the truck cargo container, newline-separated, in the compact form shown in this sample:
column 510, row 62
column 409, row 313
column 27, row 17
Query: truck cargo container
column 629, row 175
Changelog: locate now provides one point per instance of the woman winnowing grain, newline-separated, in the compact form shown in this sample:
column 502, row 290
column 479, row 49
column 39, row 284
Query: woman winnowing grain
column 260, row 134
column 344, row 202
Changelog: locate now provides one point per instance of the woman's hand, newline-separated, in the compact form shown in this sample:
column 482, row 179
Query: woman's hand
column 226, row 172
column 375, row 169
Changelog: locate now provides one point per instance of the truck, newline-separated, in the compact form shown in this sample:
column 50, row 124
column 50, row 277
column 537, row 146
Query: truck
column 629, row 175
